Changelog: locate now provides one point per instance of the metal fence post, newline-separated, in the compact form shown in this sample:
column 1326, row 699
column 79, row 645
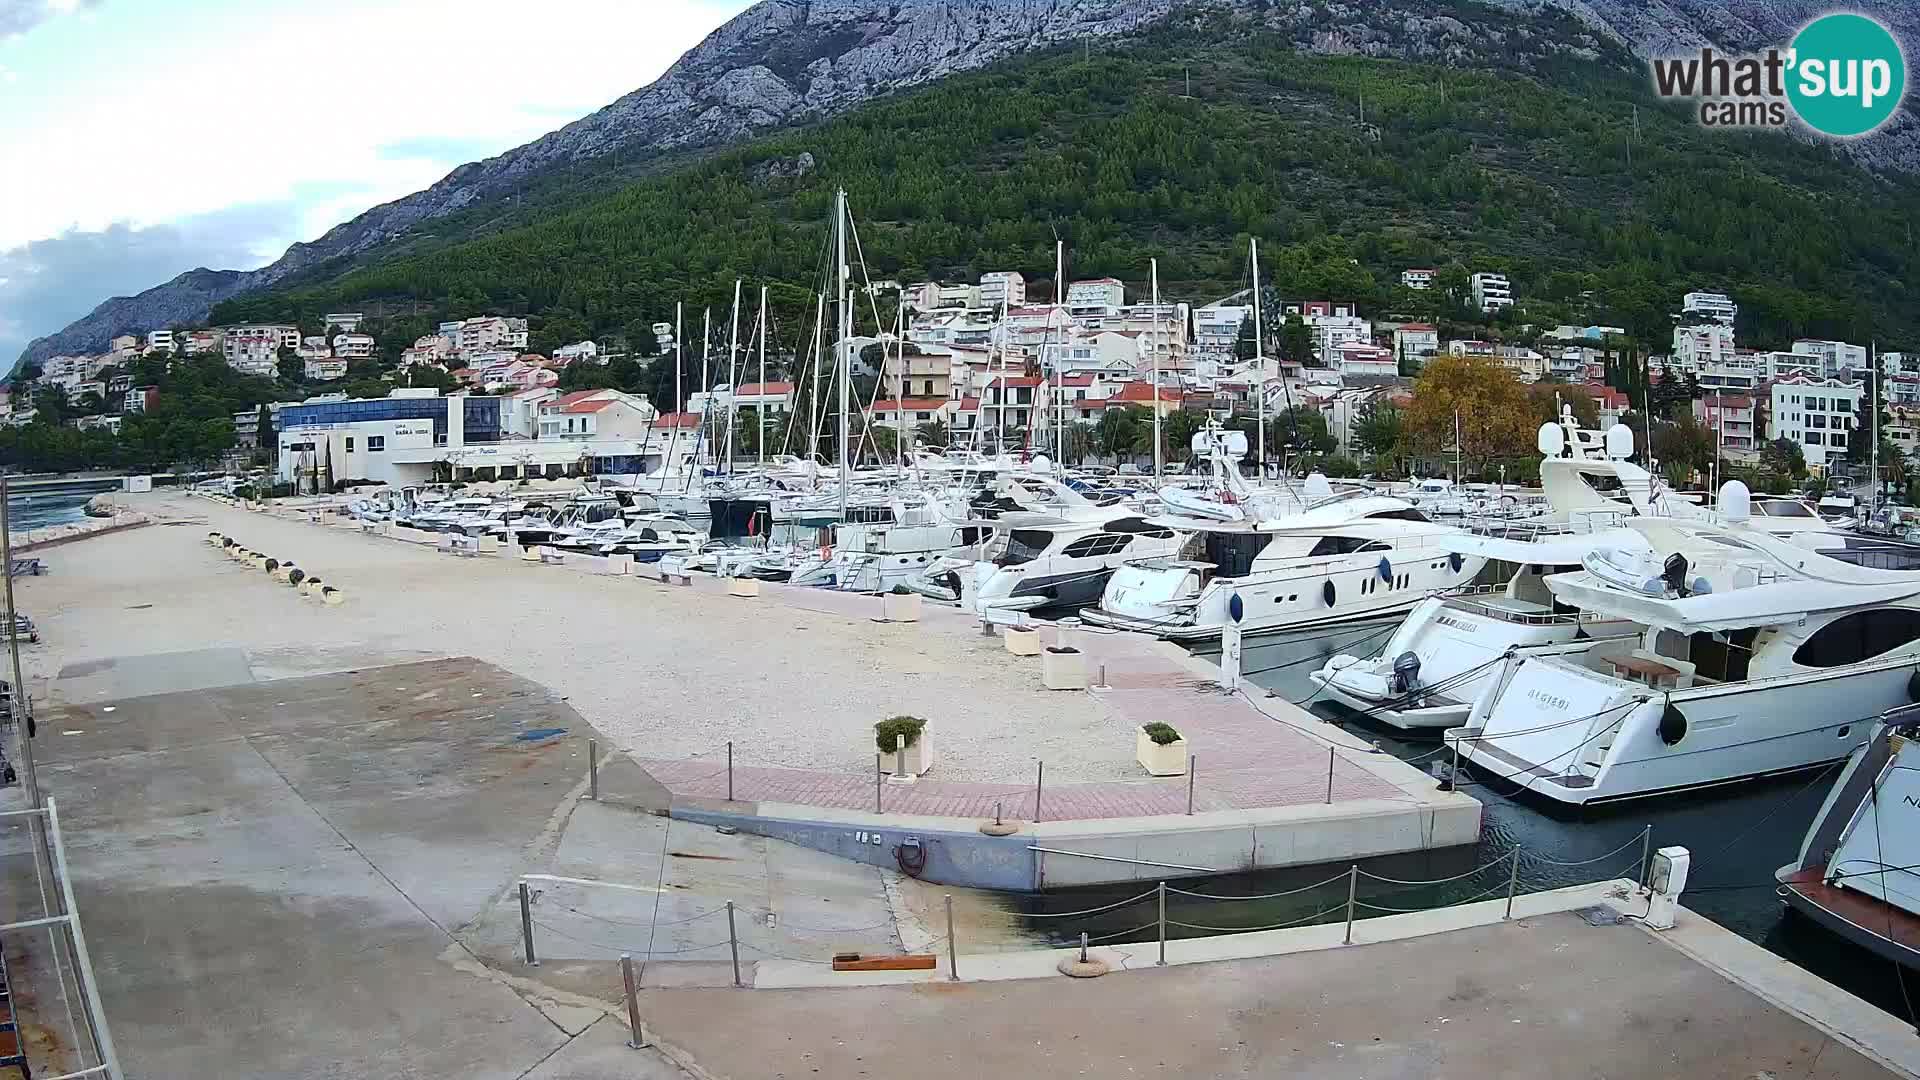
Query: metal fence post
column 593, row 769
column 1162, row 962
column 1039, row 782
column 1646, row 856
column 526, row 924
column 637, row 1040
column 1513, row 881
column 733, row 943
column 1193, row 772
column 729, row 770
column 876, row 783
column 953, row 953
column 1353, row 884
column 83, row 960
column 1330, row 760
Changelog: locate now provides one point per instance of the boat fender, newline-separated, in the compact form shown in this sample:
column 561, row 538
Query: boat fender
column 295, row 577
column 1454, row 560
column 272, row 565
column 1327, row 593
column 1386, row 568
column 1913, row 685
column 1673, row 725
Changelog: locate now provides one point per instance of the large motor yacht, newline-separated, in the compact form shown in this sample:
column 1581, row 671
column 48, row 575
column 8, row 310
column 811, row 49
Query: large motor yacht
column 1760, row 656
column 1292, row 560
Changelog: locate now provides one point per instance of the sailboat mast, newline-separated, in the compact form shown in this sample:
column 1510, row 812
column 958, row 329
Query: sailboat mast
column 706, row 386
column 1157, row 452
column 1260, row 365
column 843, row 360
column 900, row 440
column 760, row 409
column 1060, row 302
column 733, row 374
column 813, row 384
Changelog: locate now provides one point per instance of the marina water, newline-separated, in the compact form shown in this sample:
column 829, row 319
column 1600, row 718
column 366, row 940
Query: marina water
column 1738, row 835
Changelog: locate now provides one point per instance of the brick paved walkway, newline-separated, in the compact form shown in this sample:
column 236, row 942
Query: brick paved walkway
column 1244, row 759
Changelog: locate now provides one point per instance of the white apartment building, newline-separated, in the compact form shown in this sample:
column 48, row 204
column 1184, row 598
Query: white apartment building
column 489, row 332
column 1417, row 278
column 1415, row 343
column 579, row 350
column 1835, row 356
column 325, row 370
column 255, row 350
column 1789, row 365
column 1332, row 331
column 1097, row 298
column 1709, row 305
column 345, row 321
column 353, row 346
column 1737, row 373
column 1216, row 328
column 1356, row 358
column 1003, row 287
column 663, row 336
column 958, row 296
column 1819, row 414
column 1491, row 292
column 1699, row 344
column 597, row 414
column 160, row 339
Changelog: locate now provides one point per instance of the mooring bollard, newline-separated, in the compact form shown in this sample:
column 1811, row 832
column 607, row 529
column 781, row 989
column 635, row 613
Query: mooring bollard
column 1513, row 882
column 1330, row 760
column 1353, row 883
column 953, row 953
column 526, row 924
column 733, row 943
column 593, row 769
column 1162, row 962
column 1083, row 946
column 636, row 1040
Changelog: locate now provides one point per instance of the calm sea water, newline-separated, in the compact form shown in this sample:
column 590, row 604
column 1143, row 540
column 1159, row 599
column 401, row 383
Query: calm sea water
column 40, row 511
column 1738, row 836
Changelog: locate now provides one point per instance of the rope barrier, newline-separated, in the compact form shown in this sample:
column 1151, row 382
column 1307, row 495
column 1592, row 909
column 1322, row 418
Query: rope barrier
column 1638, row 838
column 783, row 956
column 1441, row 881
column 648, row 924
column 1262, row 896
column 1123, row 933
column 1149, row 894
column 1256, row 929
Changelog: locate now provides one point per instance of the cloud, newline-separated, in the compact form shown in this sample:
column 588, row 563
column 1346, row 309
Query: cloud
column 48, row 283
column 19, row 16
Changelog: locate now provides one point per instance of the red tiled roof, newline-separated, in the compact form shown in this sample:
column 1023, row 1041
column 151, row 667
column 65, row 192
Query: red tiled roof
column 910, row 405
column 678, row 420
column 594, row 406
column 971, row 404
column 565, row 400
column 1417, row 326
column 1076, row 380
column 1090, row 403
column 1142, row 392
column 1017, row 380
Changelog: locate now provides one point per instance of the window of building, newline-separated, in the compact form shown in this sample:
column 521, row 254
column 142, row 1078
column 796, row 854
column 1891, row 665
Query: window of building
column 349, row 444
column 376, row 444
column 1859, row 636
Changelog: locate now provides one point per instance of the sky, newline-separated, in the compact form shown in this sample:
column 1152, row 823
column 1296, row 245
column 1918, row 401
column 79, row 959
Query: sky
column 143, row 138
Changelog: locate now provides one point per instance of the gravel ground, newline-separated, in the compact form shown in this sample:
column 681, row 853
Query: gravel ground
column 664, row 672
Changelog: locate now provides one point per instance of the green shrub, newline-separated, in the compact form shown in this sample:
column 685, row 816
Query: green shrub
column 906, row 728
column 1161, row 734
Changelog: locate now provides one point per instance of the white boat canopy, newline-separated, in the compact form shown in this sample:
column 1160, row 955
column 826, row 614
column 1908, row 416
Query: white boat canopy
column 1556, row 549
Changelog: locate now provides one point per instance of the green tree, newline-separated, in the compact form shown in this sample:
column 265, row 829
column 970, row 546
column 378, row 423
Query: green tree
column 1296, row 341
column 1784, row 457
column 1378, row 429
column 293, row 370
column 1118, row 432
column 934, row 433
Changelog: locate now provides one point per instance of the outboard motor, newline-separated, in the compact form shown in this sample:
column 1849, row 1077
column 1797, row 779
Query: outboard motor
column 1406, row 673
column 1674, row 572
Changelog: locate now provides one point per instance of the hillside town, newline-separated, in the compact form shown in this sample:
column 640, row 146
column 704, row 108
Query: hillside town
column 972, row 365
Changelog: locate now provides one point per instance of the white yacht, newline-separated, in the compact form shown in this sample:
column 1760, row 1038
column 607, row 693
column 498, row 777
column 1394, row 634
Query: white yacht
column 1858, row 870
column 1327, row 558
column 1437, row 661
column 1760, row 656
column 1052, row 547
